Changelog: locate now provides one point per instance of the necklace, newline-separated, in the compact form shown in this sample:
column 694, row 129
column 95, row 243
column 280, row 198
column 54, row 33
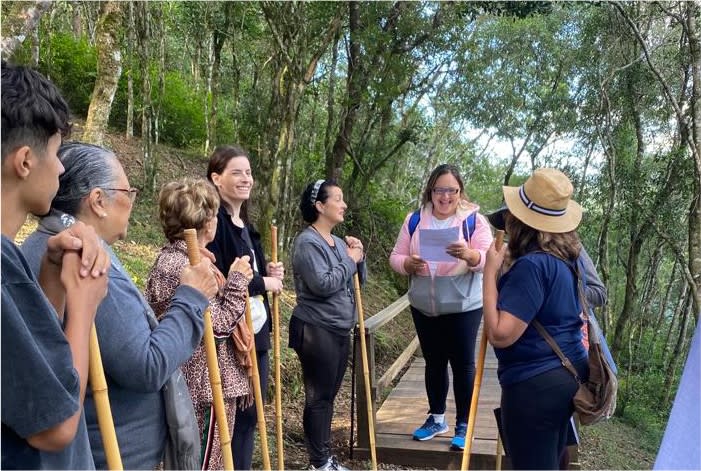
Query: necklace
column 329, row 239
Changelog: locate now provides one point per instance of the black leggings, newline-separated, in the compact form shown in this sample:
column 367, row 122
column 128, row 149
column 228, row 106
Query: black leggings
column 448, row 338
column 247, row 420
column 324, row 358
column 535, row 415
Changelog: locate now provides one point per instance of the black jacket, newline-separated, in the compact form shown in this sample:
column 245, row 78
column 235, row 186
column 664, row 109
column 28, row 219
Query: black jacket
column 228, row 244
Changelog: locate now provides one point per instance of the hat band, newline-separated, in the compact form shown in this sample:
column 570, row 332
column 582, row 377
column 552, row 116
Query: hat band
column 539, row 209
column 315, row 190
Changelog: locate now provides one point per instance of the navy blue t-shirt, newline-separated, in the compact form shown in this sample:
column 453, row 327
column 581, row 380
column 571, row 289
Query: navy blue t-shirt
column 539, row 286
column 40, row 387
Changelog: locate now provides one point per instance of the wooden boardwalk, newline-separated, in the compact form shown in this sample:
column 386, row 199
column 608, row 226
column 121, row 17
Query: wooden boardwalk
column 405, row 409
column 406, row 406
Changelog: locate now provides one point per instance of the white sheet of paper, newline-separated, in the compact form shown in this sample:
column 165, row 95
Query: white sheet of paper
column 433, row 243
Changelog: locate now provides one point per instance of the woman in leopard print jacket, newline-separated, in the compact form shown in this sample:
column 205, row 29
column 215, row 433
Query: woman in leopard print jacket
column 193, row 203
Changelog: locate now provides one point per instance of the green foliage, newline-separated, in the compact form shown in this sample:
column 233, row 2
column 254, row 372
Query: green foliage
column 182, row 122
column 72, row 66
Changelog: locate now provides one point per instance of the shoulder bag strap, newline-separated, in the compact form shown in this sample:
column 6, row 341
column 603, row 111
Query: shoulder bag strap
column 551, row 341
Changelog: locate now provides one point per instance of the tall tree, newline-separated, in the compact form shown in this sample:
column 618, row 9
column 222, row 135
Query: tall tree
column 109, row 69
column 301, row 33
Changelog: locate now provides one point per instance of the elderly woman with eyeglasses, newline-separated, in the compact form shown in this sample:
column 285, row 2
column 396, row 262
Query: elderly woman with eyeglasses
column 141, row 357
column 445, row 293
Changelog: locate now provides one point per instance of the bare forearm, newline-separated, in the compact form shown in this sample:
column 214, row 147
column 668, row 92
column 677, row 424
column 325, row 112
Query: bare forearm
column 57, row 437
column 50, row 282
column 473, row 257
column 489, row 304
column 77, row 331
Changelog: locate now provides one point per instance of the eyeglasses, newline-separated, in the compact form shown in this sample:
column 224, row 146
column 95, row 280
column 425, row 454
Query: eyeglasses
column 131, row 192
column 445, row 191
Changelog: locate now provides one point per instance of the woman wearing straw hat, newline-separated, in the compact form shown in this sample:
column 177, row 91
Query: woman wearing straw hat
column 540, row 285
column 193, row 203
column 141, row 357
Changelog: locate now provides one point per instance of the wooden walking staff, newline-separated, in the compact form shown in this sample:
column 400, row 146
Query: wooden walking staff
column 98, row 384
column 465, row 465
column 258, row 396
column 193, row 253
column 276, row 361
column 366, row 370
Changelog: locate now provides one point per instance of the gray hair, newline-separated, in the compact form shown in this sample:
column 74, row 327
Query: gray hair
column 87, row 167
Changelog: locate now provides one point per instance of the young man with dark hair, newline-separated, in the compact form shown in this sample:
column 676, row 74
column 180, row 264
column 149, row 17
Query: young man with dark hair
column 44, row 355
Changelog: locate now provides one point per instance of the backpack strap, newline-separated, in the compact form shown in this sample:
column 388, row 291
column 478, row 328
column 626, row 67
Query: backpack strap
column 468, row 225
column 414, row 221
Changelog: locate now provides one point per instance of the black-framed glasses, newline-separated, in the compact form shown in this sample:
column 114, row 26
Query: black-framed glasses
column 445, row 191
column 131, row 192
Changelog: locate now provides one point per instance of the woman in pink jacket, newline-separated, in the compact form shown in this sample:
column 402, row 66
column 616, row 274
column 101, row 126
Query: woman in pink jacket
column 445, row 293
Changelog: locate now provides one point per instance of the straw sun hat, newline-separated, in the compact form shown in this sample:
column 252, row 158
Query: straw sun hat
column 543, row 202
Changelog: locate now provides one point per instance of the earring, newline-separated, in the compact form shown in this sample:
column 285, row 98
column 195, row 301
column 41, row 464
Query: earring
column 103, row 215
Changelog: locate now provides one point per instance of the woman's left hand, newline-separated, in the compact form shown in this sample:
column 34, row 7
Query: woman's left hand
column 276, row 270
column 355, row 248
column 205, row 253
column 462, row 251
column 458, row 249
column 354, row 243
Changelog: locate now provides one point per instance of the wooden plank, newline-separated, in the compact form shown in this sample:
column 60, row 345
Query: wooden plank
column 375, row 322
column 406, row 406
column 398, row 364
column 434, row 453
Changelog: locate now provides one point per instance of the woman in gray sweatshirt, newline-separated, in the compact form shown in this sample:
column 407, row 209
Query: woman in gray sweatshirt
column 323, row 266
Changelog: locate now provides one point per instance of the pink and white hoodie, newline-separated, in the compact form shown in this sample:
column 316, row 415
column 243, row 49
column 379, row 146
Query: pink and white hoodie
column 454, row 286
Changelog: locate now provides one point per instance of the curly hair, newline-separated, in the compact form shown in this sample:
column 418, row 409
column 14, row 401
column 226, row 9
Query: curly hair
column 188, row 203
column 524, row 239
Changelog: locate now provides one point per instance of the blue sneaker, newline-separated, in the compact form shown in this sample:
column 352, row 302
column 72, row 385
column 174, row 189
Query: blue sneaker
column 429, row 429
column 458, row 442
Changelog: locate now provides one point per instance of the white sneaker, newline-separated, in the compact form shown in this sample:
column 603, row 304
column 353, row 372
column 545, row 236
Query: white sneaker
column 331, row 465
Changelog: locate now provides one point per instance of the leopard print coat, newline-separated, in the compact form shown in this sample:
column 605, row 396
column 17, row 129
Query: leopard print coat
column 227, row 309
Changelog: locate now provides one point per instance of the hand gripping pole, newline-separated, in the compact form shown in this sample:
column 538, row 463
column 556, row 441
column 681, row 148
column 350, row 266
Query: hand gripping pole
column 465, row 465
column 193, row 254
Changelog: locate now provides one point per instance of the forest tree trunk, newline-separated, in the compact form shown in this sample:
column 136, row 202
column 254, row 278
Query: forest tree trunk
column 109, row 69
column 21, row 22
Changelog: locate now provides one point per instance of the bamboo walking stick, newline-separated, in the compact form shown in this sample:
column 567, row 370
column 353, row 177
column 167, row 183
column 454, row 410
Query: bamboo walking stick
column 498, row 467
column 193, row 253
column 366, row 371
column 98, row 384
column 262, row 430
column 465, row 465
column 276, row 362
